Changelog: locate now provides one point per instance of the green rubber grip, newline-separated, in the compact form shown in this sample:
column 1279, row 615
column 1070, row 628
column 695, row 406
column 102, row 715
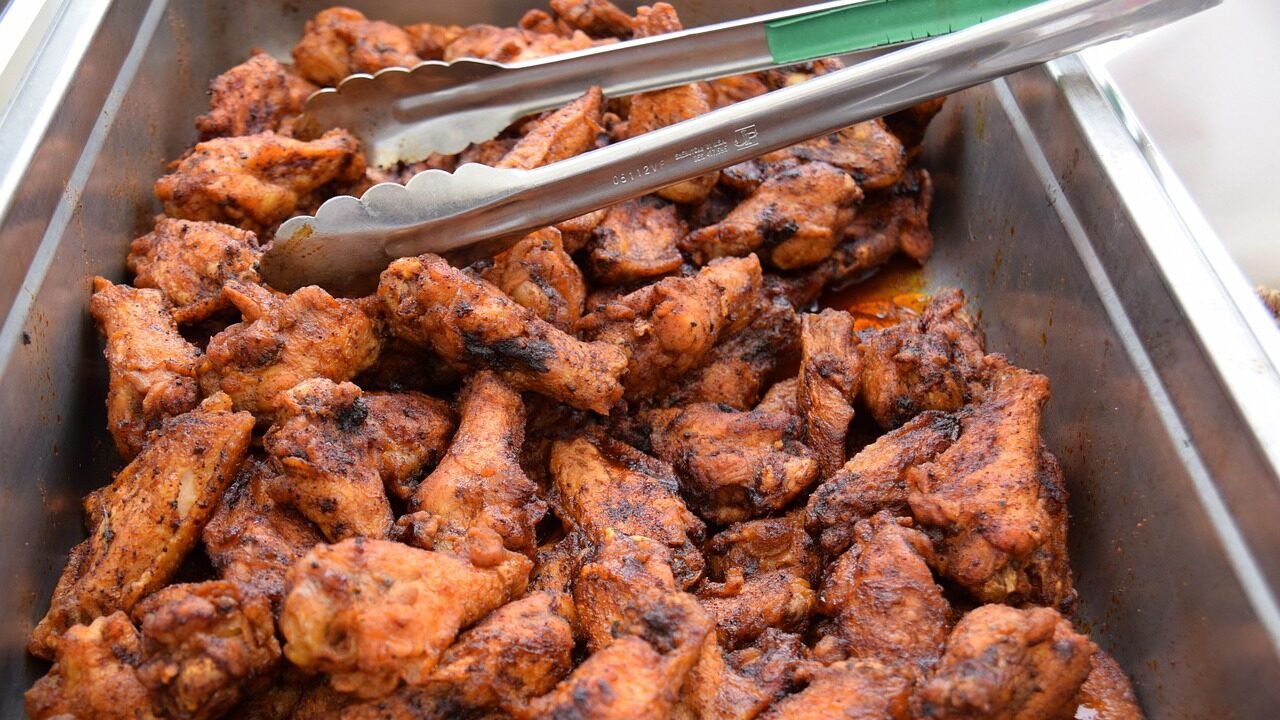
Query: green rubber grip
column 874, row 23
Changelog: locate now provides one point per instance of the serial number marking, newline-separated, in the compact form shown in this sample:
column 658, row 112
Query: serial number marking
column 634, row 174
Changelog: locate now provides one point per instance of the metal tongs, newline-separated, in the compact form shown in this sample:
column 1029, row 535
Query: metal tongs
column 477, row 210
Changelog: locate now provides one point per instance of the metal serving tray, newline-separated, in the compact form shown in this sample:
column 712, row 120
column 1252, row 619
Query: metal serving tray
column 1166, row 395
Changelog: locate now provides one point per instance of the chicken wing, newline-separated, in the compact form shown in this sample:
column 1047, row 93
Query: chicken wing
column 744, row 607
column 726, row 91
column 636, row 240
column 190, row 262
column 569, row 131
column 853, row 690
column 597, row 18
column 910, row 124
column 782, row 398
column 284, row 340
column 152, row 369
column 872, row 155
column 255, row 96
column 371, row 613
column 996, row 498
column 256, row 181
column 762, row 546
column 340, row 41
column 538, row 274
column 430, row 39
column 1003, row 663
column 741, row 684
column 830, row 370
column 556, row 563
column 1107, row 693
column 628, row 680
column 470, row 322
column 94, row 675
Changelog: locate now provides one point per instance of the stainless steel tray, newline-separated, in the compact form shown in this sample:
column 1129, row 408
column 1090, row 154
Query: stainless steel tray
column 1048, row 213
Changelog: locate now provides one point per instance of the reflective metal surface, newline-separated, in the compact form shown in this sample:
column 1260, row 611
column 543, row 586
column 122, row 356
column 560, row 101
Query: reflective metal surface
column 1047, row 212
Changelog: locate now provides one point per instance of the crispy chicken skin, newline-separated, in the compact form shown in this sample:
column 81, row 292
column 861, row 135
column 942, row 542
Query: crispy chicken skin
column 537, row 273
column 480, row 482
column 733, row 465
column 556, row 563
column 761, row 546
column 94, row 675
column 597, row 18
column 830, row 370
column 872, row 155
column 794, row 219
column 145, row 522
column 875, row 479
column 637, row 239
column 430, row 39
column 602, row 485
column 1107, row 692
column 569, row 131
column 910, row 124
column 257, row 181
column 340, row 41
column 255, row 96
column 371, row 613
column 1003, row 663
column 204, row 643
column 781, row 398
column 741, row 684
column 890, row 221
column 470, row 322
column 886, row 605
column 284, row 340
column 513, row 45
column 152, row 369
column 190, row 262
column 726, row 91
column 745, row 607
column 996, row 499
column 628, row 680
column 853, row 690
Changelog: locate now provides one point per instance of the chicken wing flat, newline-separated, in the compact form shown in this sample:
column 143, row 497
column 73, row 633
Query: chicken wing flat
column 255, row 96
column 888, row 222
column 480, row 482
column 430, row 39
column 1107, row 692
column 538, row 274
column 830, row 371
column 854, row 690
column 884, row 599
column 569, row 131
column 340, row 41
column 94, row 675
column 997, row 499
column 872, row 155
column 557, row 562
column 371, row 613
column 875, row 479
column 190, row 262
column 145, row 522
column 257, row 181
column 761, row 546
column 740, row 685
column 469, row 322
column 597, row 18
column 602, row 485
column 733, row 465
column 795, row 218
column 628, row 680
column 152, row 369
column 637, row 239
column 1003, row 663
column 745, row 607
column 284, row 340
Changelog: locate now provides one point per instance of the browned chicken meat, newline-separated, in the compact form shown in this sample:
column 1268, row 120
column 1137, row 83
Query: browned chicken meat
column 430, row 39
column 258, row 95
column 830, row 370
column 469, row 322
column 145, row 522
column 636, row 240
column 1007, row 664
column 569, row 131
column 744, row 607
column 890, row 221
column 94, row 675
column 597, row 18
column 340, row 41
column 910, row 124
column 1107, row 693
column 537, row 273
column 853, row 690
column 872, row 155
column 741, row 684
column 371, row 613
column 763, row 546
column 190, row 262
column 152, row 369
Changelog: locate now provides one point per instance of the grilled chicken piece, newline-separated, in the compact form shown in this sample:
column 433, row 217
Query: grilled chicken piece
column 886, row 605
column 339, row 450
column 340, row 41
column 597, row 18
column 782, row 398
column 1003, row 663
column 762, row 546
column 145, row 522
column 996, row 499
column 514, row 45
column 733, row 465
column 636, row 240
column 628, row 680
column 602, row 485
column 252, row 540
column 671, row 326
column 910, row 124
column 190, row 262
column 569, row 131
column 371, row 613
column 875, row 479
column 741, row 684
column 726, row 91
column 744, row 607
column 830, row 369
column 1107, row 693
column 556, row 563
column 152, row 369
column 872, row 155
column 537, row 273
column 94, row 675
column 854, row 690
column 255, row 96
column 795, row 218
column 469, row 322
column 284, row 340
column 480, row 482
column 257, row 181
column 430, row 39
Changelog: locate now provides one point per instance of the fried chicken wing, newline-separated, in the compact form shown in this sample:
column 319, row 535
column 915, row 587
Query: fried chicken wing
column 910, row 124
column 744, row 607
column 741, row 684
column 340, row 41
column 569, row 131
column 284, row 340
column 514, row 45
column 726, row 91
column 371, row 613
column 94, row 675
column 762, row 546
column 1003, row 663
column 782, row 398
column 257, row 181
column 597, row 18
column 537, row 273
column 996, row 498
column 152, row 369
column 795, row 218
column 627, row 680
column 1107, row 692
column 255, row 96
column 480, row 482
column 602, row 485
column 637, row 239
column 872, row 155
column 853, row 690
column 190, row 262
column 733, row 465
column 556, row 563
column 430, row 39
column 470, row 322
column 830, row 370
